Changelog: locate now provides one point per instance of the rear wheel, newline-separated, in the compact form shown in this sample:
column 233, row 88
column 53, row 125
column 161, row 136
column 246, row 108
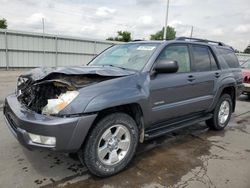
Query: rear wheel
column 110, row 145
column 222, row 113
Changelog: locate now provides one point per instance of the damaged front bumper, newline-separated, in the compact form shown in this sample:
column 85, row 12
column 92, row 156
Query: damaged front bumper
column 70, row 132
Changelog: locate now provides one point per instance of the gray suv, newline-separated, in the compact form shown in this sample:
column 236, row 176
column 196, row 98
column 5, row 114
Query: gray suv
column 129, row 93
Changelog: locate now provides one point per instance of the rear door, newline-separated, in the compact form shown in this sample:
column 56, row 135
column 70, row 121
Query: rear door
column 205, row 74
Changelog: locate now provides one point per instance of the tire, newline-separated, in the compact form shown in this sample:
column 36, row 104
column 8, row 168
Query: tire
column 103, row 136
column 215, row 123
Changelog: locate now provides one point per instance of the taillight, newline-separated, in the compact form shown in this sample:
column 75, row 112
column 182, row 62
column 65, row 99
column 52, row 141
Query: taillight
column 246, row 79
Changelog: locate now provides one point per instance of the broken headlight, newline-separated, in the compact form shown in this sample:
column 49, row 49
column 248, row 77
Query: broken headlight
column 20, row 84
column 21, row 81
column 54, row 106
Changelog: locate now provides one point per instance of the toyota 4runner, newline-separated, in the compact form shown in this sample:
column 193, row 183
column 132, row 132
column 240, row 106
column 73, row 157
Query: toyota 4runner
column 129, row 93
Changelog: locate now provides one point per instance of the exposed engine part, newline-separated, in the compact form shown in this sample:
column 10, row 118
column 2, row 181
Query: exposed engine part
column 38, row 96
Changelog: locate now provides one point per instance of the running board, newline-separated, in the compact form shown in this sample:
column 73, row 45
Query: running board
column 167, row 128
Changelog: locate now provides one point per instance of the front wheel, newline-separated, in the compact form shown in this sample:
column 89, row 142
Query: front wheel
column 222, row 113
column 110, row 145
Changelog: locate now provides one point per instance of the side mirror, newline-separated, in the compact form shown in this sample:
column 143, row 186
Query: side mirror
column 166, row 66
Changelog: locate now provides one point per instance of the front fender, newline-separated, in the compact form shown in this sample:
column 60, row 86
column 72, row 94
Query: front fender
column 116, row 98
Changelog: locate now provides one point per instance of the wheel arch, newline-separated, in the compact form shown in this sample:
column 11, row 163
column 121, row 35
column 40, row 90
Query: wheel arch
column 132, row 109
column 227, row 89
column 230, row 90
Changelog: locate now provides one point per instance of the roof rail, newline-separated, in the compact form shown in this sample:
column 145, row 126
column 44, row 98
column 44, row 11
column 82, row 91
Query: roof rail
column 200, row 40
column 137, row 40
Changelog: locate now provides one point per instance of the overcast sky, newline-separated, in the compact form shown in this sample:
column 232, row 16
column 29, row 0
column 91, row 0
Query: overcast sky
column 224, row 20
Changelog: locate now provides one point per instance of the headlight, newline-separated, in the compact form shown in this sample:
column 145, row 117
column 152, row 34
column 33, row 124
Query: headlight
column 21, row 81
column 39, row 139
column 54, row 106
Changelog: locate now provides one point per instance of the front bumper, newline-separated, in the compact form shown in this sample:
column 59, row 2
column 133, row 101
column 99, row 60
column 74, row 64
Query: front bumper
column 246, row 87
column 70, row 132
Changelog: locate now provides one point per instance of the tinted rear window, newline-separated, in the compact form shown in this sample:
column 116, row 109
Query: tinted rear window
column 229, row 57
column 246, row 65
column 214, row 65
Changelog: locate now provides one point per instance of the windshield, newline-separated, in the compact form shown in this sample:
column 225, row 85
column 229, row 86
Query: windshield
column 128, row 56
column 246, row 65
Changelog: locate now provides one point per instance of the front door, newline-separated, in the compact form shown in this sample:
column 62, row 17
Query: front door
column 172, row 95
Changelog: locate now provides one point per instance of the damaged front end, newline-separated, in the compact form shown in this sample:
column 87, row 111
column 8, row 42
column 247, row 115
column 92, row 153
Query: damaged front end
column 53, row 93
column 48, row 109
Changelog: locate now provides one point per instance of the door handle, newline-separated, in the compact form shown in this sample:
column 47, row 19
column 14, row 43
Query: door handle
column 217, row 75
column 191, row 78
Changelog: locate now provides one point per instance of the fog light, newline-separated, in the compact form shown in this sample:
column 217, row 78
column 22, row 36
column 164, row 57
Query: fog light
column 39, row 139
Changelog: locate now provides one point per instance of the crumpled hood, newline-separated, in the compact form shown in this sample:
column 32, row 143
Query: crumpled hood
column 39, row 85
column 42, row 72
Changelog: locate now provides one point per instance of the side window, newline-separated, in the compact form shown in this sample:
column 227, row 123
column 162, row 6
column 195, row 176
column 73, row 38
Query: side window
column 177, row 53
column 201, row 58
column 246, row 65
column 230, row 58
column 214, row 65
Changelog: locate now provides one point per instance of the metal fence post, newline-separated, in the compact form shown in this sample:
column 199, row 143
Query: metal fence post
column 6, row 50
column 56, row 50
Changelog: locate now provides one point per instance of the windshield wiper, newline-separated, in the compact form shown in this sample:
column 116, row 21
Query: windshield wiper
column 118, row 67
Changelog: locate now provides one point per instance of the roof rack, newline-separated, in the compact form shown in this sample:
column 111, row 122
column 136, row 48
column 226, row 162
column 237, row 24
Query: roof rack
column 200, row 40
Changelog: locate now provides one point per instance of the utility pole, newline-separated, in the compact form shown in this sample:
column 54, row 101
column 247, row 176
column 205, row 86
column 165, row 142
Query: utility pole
column 166, row 22
column 191, row 34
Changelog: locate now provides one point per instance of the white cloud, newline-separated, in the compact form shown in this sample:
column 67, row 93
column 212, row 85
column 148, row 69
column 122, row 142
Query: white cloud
column 244, row 28
column 145, row 20
column 217, row 32
column 35, row 18
column 87, row 29
column 185, row 33
column 143, row 2
column 35, row 21
column 105, row 11
column 175, row 23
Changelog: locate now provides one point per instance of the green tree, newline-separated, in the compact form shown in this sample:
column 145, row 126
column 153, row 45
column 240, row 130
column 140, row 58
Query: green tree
column 159, row 34
column 247, row 50
column 3, row 23
column 123, row 36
